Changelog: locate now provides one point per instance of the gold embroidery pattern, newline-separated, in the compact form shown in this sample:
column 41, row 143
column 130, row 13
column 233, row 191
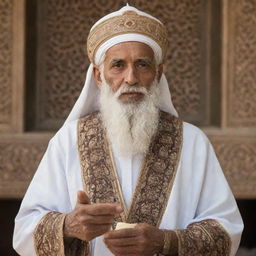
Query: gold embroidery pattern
column 100, row 183
column 48, row 235
column 128, row 22
column 155, row 182
column 48, row 238
column 156, row 179
column 204, row 238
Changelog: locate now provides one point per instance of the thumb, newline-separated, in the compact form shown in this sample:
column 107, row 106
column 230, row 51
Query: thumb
column 82, row 198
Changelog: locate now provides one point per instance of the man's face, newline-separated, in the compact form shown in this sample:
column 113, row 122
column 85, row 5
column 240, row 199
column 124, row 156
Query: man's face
column 130, row 63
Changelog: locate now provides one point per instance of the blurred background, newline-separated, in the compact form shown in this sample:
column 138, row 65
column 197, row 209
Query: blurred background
column 211, row 68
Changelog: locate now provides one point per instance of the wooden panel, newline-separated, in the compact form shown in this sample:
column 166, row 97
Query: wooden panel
column 62, row 30
column 240, row 62
column 11, row 64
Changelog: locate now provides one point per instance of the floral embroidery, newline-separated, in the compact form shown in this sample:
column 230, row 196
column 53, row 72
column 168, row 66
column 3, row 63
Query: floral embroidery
column 156, row 178
column 48, row 238
column 204, row 238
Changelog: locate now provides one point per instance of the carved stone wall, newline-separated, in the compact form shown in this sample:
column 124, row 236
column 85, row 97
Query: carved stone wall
column 11, row 65
column 19, row 158
column 64, row 26
column 237, row 158
column 6, row 38
column 193, row 70
column 242, row 60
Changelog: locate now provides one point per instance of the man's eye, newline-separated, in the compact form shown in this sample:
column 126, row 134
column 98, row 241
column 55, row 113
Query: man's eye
column 142, row 65
column 117, row 65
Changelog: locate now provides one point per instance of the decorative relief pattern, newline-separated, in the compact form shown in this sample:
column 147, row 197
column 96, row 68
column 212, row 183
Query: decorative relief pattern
column 242, row 91
column 183, row 64
column 64, row 26
column 18, row 162
column 184, row 55
column 238, row 161
column 6, row 14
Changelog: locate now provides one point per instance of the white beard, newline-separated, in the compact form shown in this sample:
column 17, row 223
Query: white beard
column 130, row 126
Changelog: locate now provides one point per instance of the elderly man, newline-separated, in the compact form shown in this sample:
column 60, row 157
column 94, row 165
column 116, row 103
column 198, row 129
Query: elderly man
column 124, row 175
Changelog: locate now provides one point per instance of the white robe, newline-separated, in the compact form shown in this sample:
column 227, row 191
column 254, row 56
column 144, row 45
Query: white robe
column 200, row 190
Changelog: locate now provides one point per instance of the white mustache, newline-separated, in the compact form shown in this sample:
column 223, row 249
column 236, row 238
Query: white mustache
column 130, row 89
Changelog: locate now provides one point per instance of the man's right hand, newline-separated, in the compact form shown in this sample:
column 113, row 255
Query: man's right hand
column 88, row 221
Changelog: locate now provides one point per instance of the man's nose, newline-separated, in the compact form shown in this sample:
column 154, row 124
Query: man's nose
column 131, row 76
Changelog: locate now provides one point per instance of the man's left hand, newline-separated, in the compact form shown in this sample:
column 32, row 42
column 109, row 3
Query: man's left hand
column 143, row 240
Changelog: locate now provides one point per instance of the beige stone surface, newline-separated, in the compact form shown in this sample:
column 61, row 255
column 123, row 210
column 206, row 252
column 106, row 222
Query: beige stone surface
column 215, row 93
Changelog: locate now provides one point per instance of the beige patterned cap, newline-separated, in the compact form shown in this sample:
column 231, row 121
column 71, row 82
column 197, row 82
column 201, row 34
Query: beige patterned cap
column 129, row 21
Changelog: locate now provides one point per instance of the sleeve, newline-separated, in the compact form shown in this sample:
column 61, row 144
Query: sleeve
column 217, row 224
column 48, row 238
column 205, row 237
column 39, row 223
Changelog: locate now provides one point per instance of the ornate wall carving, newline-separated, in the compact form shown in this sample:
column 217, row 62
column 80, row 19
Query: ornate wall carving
column 6, row 37
column 183, row 65
column 237, row 158
column 19, row 159
column 64, row 26
column 242, row 60
column 62, row 29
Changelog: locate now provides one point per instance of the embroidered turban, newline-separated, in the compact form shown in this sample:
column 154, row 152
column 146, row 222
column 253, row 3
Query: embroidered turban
column 127, row 24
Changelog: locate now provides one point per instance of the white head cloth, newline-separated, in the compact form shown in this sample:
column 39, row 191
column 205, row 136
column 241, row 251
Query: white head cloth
column 88, row 100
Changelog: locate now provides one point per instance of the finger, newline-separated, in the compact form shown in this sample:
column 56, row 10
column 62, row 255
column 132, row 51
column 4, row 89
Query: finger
column 123, row 233
column 96, row 219
column 97, row 230
column 82, row 197
column 127, row 241
column 103, row 209
column 126, row 250
column 142, row 225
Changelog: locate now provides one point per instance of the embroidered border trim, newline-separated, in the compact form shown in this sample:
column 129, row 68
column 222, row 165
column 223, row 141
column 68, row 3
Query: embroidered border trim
column 206, row 238
column 99, row 179
column 155, row 182
column 48, row 238
column 157, row 175
column 48, row 235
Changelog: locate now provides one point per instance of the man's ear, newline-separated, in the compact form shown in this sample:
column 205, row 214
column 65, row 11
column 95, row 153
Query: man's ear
column 96, row 74
column 160, row 71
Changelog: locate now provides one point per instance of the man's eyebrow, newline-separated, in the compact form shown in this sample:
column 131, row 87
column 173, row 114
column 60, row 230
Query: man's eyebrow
column 116, row 60
column 145, row 59
column 140, row 59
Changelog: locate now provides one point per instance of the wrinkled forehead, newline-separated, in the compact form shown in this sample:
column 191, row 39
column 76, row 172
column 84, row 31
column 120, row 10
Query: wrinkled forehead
column 130, row 51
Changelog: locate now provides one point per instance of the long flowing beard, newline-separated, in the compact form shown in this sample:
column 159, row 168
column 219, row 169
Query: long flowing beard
column 130, row 126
